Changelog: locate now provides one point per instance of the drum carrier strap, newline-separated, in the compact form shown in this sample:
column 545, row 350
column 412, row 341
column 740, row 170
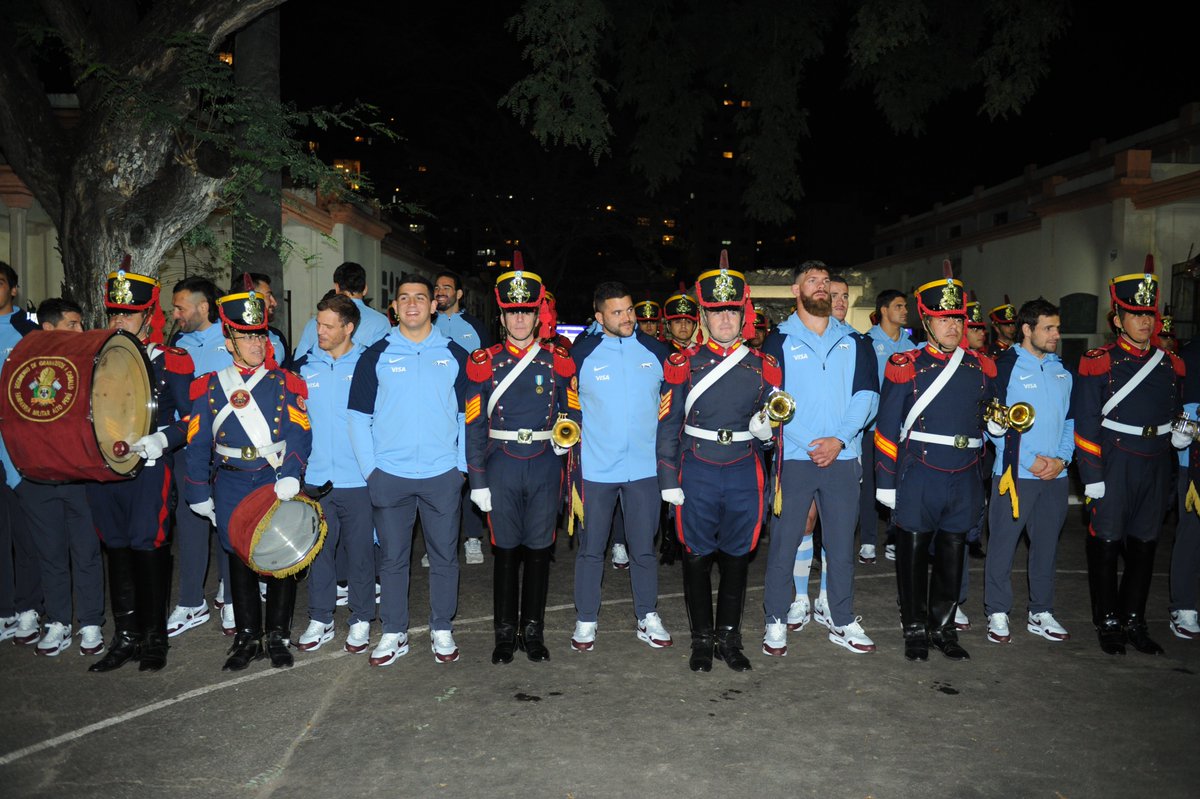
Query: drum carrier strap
column 251, row 417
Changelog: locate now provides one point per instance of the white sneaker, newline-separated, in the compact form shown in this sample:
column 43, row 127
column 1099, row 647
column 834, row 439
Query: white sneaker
column 378, row 593
column 183, row 618
column 91, row 641
column 961, row 622
column 359, row 638
column 219, row 599
column 998, row 632
column 1045, row 625
column 866, row 554
column 317, row 633
column 474, row 549
column 425, row 561
column 852, row 637
column 652, row 631
column 228, row 620
column 56, row 637
column 889, row 551
column 775, row 640
column 1183, row 624
column 620, row 557
column 821, row 612
column 391, row 646
column 584, row 637
column 8, row 627
column 343, row 596
column 444, row 648
column 28, row 631
column 799, row 614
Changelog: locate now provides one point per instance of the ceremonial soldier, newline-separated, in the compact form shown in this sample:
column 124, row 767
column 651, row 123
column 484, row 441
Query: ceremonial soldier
column 131, row 515
column 680, row 312
column 762, row 326
column 976, row 332
column 975, row 338
column 518, row 391
column 710, row 434
column 249, row 428
column 1123, row 402
column 1004, row 327
column 928, row 443
column 1029, row 481
column 649, row 318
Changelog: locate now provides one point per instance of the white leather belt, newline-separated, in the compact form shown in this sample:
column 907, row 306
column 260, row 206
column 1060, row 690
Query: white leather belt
column 522, row 436
column 250, row 453
column 722, row 436
column 1149, row 431
column 958, row 442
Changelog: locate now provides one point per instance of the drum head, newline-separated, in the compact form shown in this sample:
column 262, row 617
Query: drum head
column 288, row 537
column 123, row 408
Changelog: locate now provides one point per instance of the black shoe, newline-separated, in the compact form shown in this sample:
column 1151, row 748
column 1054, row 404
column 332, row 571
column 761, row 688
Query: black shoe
column 916, row 645
column 975, row 548
column 531, row 642
column 506, row 644
column 948, row 645
column 729, row 649
column 124, row 648
column 1112, row 636
column 702, row 654
column 1139, row 637
column 247, row 647
column 278, row 651
column 153, row 655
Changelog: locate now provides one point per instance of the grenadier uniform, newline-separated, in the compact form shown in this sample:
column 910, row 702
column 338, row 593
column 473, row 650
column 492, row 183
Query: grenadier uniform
column 131, row 516
column 1123, row 402
column 648, row 311
column 681, row 306
column 928, row 443
column 1004, row 314
column 706, row 450
column 515, row 398
column 249, row 428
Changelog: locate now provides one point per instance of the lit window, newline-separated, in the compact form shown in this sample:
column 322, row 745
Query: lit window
column 726, row 242
column 422, row 168
column 506, row 264
column 669, row 223
column 745, row 103
column 668, row 239
column 727, row 154
column 608, row 208
column 225, row 58
column 727, row 102
column 358, row 139
column 490, row 263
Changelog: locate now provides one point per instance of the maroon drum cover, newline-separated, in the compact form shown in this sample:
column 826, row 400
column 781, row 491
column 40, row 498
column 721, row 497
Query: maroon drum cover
column 71, row 404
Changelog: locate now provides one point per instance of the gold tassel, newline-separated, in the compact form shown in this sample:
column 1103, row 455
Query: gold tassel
column 296, row 568
column 574, row 510
column 1008, row 485
column 1192, row 500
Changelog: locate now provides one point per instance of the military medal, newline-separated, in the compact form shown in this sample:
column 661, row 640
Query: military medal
column 239, row 399
column 539, row 388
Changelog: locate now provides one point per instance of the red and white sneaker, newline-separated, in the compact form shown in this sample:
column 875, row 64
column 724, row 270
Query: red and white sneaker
column 852, row 637
column 359, row 638
column 1184, row 624
column 183, row 619
column 443, row 646
column 998, row 631
column 391, row 646
column 584, row 637
column 1045, row 625
column 775, row 640
column 652, row 631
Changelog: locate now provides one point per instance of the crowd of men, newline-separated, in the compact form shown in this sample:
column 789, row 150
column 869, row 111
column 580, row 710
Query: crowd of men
column 695, row 421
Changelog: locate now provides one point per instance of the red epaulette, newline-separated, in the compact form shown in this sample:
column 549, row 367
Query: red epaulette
column 986, row 362
column 1095, row 362
column 177, row 361
column 479, row 366
column 563, row 365
column 198, row 387
column 771, row 371
column 676, row 369
column 1177, row 362
column 900, row 367
column 295, row 383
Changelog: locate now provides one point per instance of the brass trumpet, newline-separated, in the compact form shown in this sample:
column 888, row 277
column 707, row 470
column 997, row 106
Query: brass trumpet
column 1018, row 416
column 1189, row 427
column 566, row 432
column 780, row 407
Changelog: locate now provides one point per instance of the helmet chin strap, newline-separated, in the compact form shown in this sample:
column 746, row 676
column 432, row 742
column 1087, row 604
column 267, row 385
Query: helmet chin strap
column 933, row 339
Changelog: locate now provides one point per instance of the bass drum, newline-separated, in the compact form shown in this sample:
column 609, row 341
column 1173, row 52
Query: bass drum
column 72, row 403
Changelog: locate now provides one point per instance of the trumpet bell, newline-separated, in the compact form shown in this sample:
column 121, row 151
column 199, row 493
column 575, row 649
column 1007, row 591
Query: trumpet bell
column 566, row 432
column 781, row 407
column 1020, row 416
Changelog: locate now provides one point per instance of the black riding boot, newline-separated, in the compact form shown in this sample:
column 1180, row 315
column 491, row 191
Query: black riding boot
column 1135, row 588
column 1102, row 557
column 247, row 614
column 126, row 641
column 912, row 581
column 731, row 595
column 505, row 588
column 152, row 578
column 697, row 592
column 535, row 583
column 281, row 603
column 944, row 586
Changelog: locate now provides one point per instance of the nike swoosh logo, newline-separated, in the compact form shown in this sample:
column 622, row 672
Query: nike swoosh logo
column 1024, row 377
column 397, row 360
column 599, row 368
column 796, row 347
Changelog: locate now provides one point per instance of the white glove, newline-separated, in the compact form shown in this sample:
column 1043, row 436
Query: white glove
column 1180, row 440
column 674, row 496
column 995, row 429
column 760, row 426
column 560, row 451
column 886, row 497
column 1094, row 490
column 482, row 497
column 207, row 509
column 286, row 488
column 151, row 447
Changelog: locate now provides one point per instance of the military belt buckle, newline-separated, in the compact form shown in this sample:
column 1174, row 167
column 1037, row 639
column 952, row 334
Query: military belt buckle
column 249, row 453
column 960, row 442
column 524, row 435
column 724, row 436
column 1149, row 431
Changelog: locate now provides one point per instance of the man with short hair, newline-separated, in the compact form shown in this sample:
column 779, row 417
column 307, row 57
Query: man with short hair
column 350, row 279
column 621, row 373
column 887, row 337
column 762, row 326
column 61, row 522
column 829, row 370
column 261, row 284
column 681, row 315
column 839, row 297
column 1029, row 480
column 328, row 371
column 406, row 431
